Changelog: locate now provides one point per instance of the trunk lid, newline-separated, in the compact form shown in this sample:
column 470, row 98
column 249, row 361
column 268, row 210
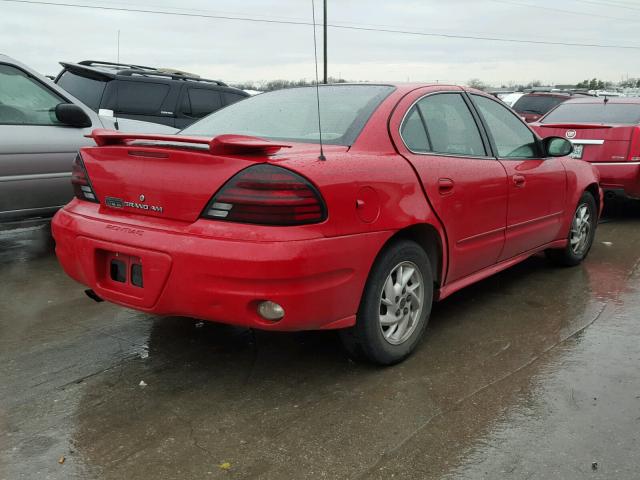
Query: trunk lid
column 594, row 142
column 168, row 177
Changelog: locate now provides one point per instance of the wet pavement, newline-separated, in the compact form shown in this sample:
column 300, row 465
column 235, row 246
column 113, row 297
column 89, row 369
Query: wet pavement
column 531, row 374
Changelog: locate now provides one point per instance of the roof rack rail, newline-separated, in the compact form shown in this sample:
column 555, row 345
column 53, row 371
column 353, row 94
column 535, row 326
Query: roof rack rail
column 90, row 63
column 174, row 76
column 126, row 69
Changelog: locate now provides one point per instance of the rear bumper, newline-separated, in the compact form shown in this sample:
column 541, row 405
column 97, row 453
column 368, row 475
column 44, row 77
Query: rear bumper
column 620, row 177
column 318, row 281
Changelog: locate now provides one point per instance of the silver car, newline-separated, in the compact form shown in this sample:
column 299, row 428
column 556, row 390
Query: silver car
column 41, row 129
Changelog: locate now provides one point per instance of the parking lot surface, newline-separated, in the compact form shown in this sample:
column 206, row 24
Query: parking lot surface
column 531, row 374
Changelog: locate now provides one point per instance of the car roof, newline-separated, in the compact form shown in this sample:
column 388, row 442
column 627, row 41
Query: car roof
column 605, row 99
column 567, row 94
column 112, row 70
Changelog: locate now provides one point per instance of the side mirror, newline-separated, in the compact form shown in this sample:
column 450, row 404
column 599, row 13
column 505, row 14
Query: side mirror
column 557, row 146
column 72, row 115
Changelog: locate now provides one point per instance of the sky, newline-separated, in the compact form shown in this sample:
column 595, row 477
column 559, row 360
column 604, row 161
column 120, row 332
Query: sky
column 238, row 51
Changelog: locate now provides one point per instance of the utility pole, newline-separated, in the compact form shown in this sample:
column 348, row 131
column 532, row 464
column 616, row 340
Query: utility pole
column 326, row 78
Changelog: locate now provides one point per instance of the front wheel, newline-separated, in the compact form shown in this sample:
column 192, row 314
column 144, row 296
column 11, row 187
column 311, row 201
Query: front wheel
column 581, row 233
column 395, row 307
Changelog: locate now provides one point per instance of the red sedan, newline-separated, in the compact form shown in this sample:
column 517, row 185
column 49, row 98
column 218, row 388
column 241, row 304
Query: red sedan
column 606, row 133
column 420, row 191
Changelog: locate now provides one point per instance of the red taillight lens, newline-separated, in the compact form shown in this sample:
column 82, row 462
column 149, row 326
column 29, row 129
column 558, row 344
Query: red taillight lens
column 634, row 146
column 267, row 195
column 80, row 181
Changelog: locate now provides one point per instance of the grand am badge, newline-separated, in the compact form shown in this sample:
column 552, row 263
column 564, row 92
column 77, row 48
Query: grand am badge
column 119, row 203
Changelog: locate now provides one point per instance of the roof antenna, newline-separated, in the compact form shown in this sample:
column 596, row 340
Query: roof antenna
column 315, row 56
column 115, row 117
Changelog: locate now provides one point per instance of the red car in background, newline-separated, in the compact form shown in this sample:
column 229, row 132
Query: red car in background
column 606, row 133
column 533, row 106
column 421, row 191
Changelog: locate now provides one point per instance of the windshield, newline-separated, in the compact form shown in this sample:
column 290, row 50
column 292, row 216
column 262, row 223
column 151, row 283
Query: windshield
column 292, row 114
column 600, row 112
column 536, row 104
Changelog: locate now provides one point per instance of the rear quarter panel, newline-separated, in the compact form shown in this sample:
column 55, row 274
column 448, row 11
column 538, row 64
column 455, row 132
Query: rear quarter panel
column 370, row 187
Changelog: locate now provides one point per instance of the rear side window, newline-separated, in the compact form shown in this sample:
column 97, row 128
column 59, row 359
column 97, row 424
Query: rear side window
column 232, row 98
column 202, row 102
column 88, row 90
column 512, row 138
column 24, row 101
column 144, row 98
column 628, row 113
column 451, row 128
column 538, row 104
column 413, row 132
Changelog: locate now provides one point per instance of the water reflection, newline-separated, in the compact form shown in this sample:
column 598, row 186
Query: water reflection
column 292, row 405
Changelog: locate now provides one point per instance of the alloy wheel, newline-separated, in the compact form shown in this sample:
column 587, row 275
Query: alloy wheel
column 580, row 230
column 401, row 302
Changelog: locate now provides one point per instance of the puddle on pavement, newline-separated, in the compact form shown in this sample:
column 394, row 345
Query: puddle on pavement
column 292, row 405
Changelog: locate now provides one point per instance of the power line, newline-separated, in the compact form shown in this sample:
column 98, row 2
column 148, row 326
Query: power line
column 611, row 4
column 335, row 26
column 569, row 12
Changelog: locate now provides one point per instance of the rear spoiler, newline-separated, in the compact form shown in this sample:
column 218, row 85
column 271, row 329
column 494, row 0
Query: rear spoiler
column 574, row 126
column 220, row 145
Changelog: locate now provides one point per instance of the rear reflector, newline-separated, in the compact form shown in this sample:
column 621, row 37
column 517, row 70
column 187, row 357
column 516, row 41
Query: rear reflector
column 267, row 195
column 81, row 183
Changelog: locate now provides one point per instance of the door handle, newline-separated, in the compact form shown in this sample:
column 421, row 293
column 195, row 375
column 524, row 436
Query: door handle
column 519, row 180
column 445, row 186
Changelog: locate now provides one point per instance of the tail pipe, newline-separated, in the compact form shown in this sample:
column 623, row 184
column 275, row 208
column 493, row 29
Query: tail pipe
column 93, row 295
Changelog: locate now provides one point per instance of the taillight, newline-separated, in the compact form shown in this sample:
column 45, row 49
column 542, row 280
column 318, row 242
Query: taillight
column 634, row 146
column 267, row 195
column 80, row 181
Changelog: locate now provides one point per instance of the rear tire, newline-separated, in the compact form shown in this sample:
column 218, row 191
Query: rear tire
column 395, row 307
column 581, row 234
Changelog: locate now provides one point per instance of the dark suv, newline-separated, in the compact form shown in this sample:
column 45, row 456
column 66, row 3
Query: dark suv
column 169, row 97
column 534, row 105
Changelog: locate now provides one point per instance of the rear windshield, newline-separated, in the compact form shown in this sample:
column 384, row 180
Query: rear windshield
column 538, row 104
column 600, row 112
column 87, row 90
column 292, row 114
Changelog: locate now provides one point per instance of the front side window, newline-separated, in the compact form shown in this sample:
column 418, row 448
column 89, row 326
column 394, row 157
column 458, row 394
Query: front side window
column 451, row 128
column 24, row 101
column 512, row 138
column 292, row 114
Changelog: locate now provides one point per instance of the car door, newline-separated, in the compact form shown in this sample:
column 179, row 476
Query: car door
column 36, row 151
column 537, row 185
column 464, row 183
